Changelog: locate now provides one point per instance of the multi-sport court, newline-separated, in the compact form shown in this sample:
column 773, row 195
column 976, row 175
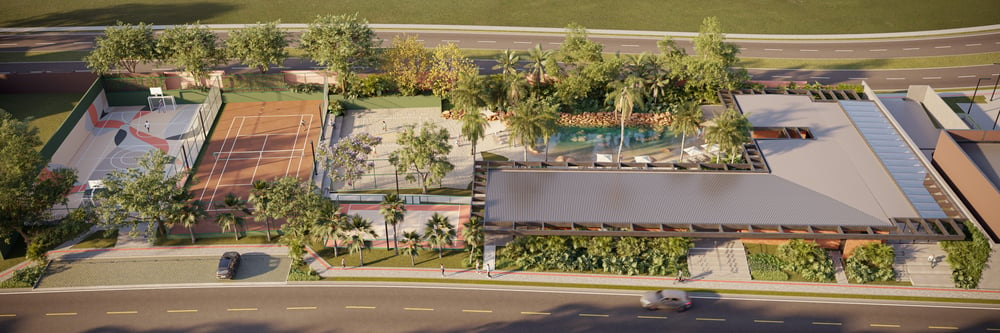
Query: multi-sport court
column 256, row 141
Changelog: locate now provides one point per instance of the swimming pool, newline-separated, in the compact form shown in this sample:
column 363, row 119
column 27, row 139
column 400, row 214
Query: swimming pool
column 584, row 143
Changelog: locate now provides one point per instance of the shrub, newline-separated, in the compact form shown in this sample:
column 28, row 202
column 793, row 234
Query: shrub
column 871, row 262
column 302, row 273
column 807, row 259
column 371, row 86
column 24, row 278
column 335, row 108
column 968, row 257
column 305, row 88
column 48, row 238
column 764, row 266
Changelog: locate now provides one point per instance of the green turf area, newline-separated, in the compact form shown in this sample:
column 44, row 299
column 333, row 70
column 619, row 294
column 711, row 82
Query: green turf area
column 389, row 102
column 387, row 258
column 48, row 111
column 98, row 240
column 764, row 16
column 953, row 102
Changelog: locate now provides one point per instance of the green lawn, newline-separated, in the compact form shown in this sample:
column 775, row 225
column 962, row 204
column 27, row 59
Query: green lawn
column 764, row 16
column 893, row 63
column 15, row 258
column 953, row 102
column 98, row 240
column 48, row 111
column 387, row 258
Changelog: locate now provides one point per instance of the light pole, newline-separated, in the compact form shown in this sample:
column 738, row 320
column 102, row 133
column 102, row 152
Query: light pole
column 974, row 92
column 995, row 85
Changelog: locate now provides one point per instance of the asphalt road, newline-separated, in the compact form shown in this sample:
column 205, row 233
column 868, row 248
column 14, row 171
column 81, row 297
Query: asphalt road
column 345, row 307
column 821, row 49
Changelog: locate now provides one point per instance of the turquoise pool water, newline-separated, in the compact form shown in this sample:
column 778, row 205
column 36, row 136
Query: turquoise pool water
column 584, row 143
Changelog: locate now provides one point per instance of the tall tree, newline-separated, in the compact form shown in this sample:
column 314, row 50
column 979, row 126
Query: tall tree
column 448, row 63
column 507, row 62
column 411, row 239
column 359, row 228
column 284, row 195
column 189, row 215
column 259, row 198
column 123, row 46
column 730, row 131
column 340, row 43
column 348, row 160
column 192, row 47
column 408, row 62
column 230, row 220
column 533, row 119
column 469, row 93
column 29, row 192
column 626, row 95
column 714, row 65
column 258, row 45
column 686, row 121
column 393, row 210
column 142, row 194
column 577, row 49
column 425, row 152
column 474, row 128
column 472, row 233
column 439, row 232
column 537, row 57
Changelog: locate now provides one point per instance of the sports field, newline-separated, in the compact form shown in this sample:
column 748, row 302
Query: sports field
column 256, row 141
column 763, row 16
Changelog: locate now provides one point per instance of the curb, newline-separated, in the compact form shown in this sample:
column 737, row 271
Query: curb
column 541, row 30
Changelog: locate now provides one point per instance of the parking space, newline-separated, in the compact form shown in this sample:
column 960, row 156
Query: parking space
column 256, row 267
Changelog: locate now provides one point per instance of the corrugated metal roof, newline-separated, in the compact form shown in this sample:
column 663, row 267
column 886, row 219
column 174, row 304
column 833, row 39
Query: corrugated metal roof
column 662, row 197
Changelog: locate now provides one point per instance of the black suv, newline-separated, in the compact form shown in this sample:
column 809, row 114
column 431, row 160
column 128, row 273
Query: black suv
column 228, row 264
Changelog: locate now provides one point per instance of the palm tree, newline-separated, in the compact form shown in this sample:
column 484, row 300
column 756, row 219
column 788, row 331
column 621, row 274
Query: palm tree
column 261, row 204
column 341, row 232
column 412, row 241
column 190, row 214
column 533, row 119
column 473, row 235
column 469, row 92
column 536, row 63
column 326, row 221
column 229, row 220
column 626, row 95
column 439, row 232
column 474, row 128
column 507, row 62
column 393, row 210
column 360, row 228
column 730, row 131
column 686, row 121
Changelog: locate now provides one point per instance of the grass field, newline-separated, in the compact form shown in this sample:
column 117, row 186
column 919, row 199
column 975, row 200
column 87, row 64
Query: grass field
column 47, row 111
column 98, row 240
column 764, row 16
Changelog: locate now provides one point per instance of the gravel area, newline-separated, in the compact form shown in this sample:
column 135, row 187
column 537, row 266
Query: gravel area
column 160, row 270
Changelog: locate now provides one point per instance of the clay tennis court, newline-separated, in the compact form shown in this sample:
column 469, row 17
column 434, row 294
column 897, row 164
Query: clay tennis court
column 255, row 141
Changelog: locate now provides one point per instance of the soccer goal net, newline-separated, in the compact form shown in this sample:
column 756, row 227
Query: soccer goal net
column 158, row 101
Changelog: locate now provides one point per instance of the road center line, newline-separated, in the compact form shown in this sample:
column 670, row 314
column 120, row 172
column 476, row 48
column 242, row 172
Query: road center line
column 593, row 315
column 300, row 308
column 478, row 311
column 535, row 313
column 843, row 50
column 44, row 43
column 877, row 50
column 942, row 327
column 911, row 49
column 943, row 47
column 826, row 323
column 522, row 42
column 61, row 314
column 359, row 307
column 451, row 41
column 418, row 309
column 819, row 77
column 710, row 319
column 778, row 50
column 630, row 45
column 241, row 309
column 965, row 76
column 769, row 321
column 121, row 312
column 181, row 311
column 808, row 50
column 895, row 78
column 974, row 44
column 8, row 315
column 9, row 44
column 651, row 317
column 931, row 77
column 883, row 325
column 857, row 78
column 486, row 41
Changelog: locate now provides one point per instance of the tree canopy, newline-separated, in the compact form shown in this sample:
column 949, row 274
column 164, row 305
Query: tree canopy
column 123, row 46
column 408, row 62
column 145, row 193
column 424, row 152
column 29, row 192
column 192, row 47
column 340, row 42
column 258, row 45
column 348, row 160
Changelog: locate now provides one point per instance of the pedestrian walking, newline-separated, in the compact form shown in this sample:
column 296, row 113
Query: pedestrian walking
column 442, row 270
column 385, row 128
column 302, row 122
column 680, row 277
column 343, row 263
column 147, row 126
column 489, row 270
column 477, row 267
column 931, row 260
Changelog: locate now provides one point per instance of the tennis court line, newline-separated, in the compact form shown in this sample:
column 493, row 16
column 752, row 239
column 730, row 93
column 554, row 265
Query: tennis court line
column 216, row 162
column 222, row 172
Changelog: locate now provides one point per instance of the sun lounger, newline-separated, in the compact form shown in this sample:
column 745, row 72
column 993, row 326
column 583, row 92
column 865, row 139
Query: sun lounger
column 604, row 158
column 643, row 159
